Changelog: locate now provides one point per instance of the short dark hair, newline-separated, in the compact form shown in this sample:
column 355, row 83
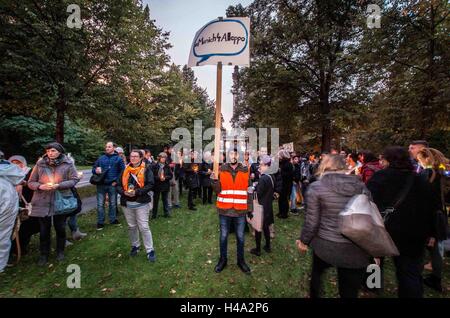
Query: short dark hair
column 353, row 156
column 398, row 158
column 420, row 142
column 147, row 151
column 368, row 156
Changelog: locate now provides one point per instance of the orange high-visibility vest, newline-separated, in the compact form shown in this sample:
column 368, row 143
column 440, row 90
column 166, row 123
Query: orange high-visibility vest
column 233, row 194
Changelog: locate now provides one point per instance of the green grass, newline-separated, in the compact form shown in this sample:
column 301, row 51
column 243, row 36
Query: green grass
column 87, row 191
column 187, row 249
column 79, row 168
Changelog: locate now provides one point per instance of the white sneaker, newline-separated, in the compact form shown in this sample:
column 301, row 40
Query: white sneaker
column 77, row 235
column 68, row 243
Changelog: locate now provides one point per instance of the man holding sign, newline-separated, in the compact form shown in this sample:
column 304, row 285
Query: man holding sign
column 232, row 204
column 226, row 42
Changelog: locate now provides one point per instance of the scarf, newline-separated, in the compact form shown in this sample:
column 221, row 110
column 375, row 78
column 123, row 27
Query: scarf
column 54, row 162
column 138, row 172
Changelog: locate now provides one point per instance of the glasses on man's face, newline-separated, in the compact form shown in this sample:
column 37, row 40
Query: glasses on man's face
column 134, row 156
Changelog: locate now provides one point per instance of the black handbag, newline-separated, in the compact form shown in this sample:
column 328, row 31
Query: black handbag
column 97, row 179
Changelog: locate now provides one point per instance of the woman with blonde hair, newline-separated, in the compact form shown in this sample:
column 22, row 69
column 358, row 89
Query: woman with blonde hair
column 325, row 199
column 434, row 164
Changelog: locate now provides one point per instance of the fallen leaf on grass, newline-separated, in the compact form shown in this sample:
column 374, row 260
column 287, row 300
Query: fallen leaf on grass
column 173, row 291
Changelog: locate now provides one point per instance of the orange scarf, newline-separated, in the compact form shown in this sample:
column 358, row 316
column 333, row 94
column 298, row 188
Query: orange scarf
column 138, row 172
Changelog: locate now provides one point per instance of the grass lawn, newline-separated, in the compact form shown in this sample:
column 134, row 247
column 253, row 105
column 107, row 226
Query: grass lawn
column 186, row 246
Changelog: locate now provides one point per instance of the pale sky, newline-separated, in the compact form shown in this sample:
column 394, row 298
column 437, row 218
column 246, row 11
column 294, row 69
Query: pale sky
column 183, row 18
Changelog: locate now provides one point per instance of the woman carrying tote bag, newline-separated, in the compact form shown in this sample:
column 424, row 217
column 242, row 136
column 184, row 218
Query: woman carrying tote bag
column 53, row 176
column 264, row 192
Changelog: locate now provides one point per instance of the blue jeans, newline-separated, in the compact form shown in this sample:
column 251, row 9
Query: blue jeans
column 72, row 223
column 294, row 196
column 239, row 226
column 112, row 195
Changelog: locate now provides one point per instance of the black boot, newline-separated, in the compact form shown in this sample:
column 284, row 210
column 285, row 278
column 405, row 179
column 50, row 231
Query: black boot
column 43, row 260
column 433, row 282
column 255, row 251
column 244, row 267
column 220, row 265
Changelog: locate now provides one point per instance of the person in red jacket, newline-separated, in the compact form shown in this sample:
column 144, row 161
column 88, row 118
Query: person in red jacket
column 232, row 204
column 370, row 165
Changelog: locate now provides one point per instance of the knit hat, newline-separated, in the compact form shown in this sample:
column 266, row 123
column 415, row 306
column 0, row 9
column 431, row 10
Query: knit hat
column 266, row 160
column 56, row 146
column 162, row 155
column 18, row 158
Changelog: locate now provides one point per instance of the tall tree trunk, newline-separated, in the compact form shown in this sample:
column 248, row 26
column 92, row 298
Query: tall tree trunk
column 325, row 113
column 60, row 111
column 426, row 107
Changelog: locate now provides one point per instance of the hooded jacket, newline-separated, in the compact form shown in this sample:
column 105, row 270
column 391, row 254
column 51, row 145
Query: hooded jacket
column 63, row 174
column 325, row 198
column 10, row 176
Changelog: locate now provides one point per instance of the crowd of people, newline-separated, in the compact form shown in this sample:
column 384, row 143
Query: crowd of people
column 319, row 186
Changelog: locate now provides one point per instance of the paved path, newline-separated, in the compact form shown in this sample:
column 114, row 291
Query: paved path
column 85, row 179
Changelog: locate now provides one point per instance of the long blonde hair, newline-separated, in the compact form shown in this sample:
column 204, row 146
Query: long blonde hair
column 433, row 158
column 331, row 163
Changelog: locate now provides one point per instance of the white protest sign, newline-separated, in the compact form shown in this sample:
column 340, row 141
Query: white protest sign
column 289, row 147
column 222, row 40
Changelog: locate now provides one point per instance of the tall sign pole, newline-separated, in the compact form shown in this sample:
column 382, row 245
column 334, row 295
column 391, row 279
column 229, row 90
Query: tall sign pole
column 218, row 122
column 224, row 41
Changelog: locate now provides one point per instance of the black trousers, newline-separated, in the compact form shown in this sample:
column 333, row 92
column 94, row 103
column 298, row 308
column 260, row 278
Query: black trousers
column 349, row 279
column 45, row 224
column 192, row 196
column 207, row 194
column 180, row 185
column 165, row 201
column 409, row 276
column 258, row 236
column 283, row 204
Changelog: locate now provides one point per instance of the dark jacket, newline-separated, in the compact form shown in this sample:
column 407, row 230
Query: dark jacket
column 265, row 189
column 412, row 223
column 287, row 177
column 254, row 169
column 205, row 180
column 217, row 188
column 162, row 186
column 142, row 195
column 437, row 200
column 192, row 179
column 113, row 163
column 63, row 174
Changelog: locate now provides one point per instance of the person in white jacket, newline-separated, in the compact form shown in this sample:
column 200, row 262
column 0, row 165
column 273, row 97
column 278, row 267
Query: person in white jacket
column 10, row 177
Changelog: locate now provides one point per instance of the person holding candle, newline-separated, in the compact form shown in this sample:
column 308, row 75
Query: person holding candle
column 134, row 185
column 191, row 170
column 163, row 175
column 111, row 165
column 205, row 171
column 53, row 172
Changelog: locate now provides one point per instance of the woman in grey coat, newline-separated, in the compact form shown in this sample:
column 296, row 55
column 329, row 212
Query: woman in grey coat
column 53, row 172
column 324, row 200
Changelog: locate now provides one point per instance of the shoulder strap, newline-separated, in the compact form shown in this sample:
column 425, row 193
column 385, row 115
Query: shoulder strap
column 402, row 195
column 271, row 180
